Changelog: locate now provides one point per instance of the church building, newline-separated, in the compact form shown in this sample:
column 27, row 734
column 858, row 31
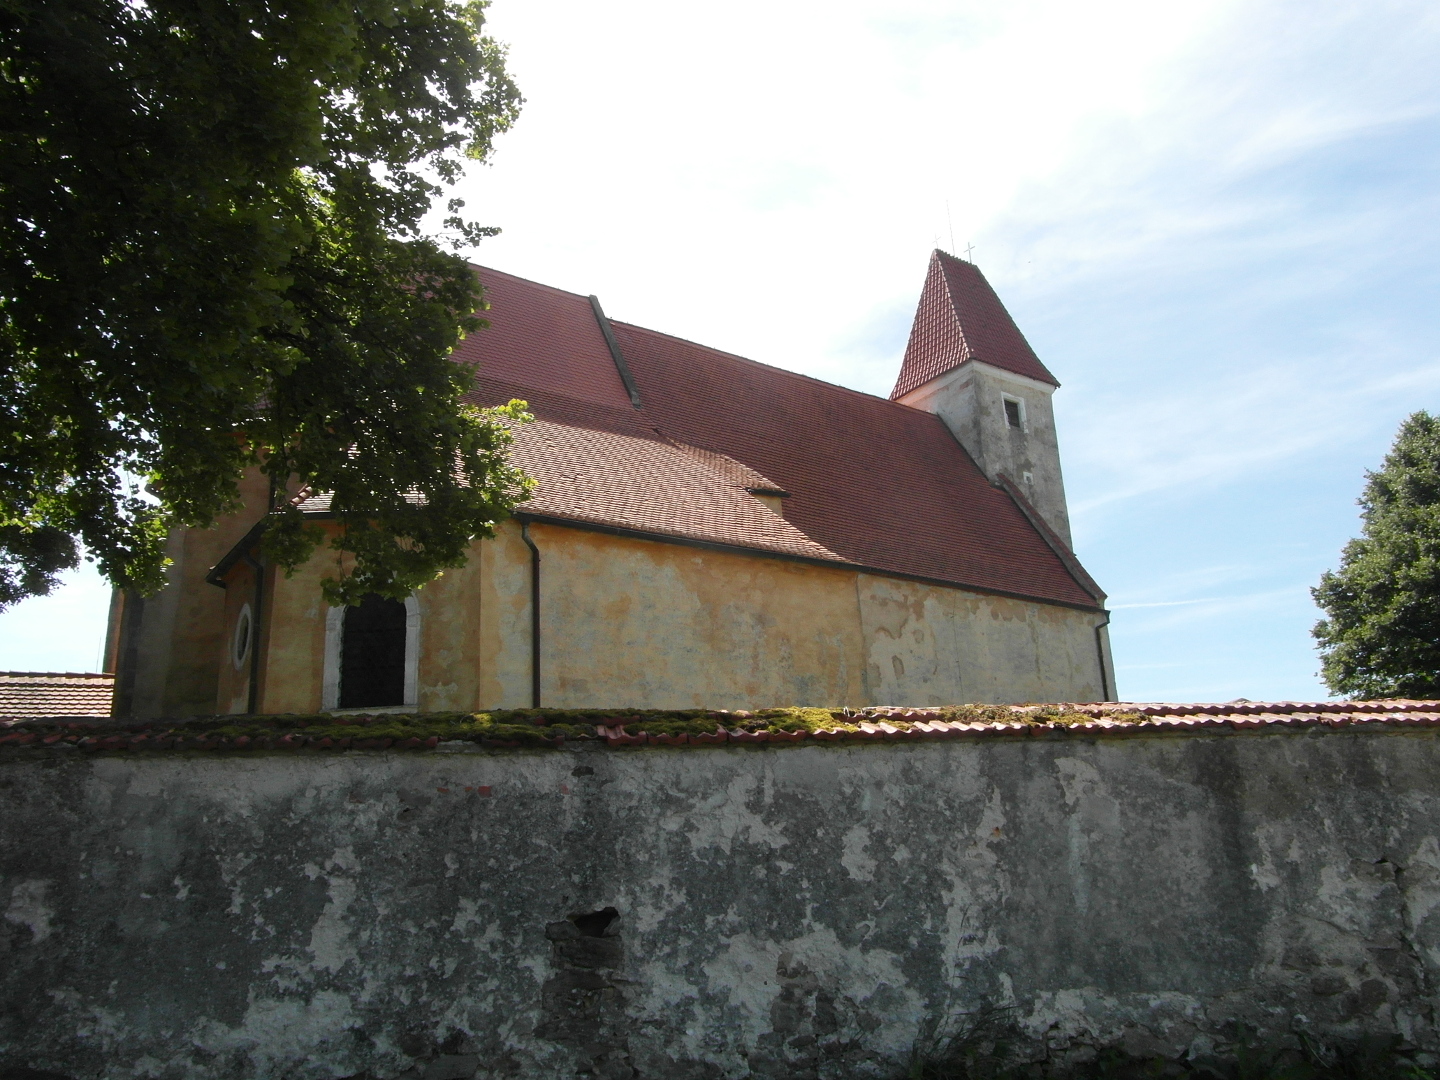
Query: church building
column 706, row 531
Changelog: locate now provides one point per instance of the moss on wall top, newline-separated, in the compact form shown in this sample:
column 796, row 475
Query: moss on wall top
column 536, row 728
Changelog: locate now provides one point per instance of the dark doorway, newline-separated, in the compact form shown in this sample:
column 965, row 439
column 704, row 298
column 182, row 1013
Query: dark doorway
column 372, row 654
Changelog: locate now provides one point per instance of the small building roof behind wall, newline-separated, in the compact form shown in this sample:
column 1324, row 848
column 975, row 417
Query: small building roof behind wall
column 25, row 694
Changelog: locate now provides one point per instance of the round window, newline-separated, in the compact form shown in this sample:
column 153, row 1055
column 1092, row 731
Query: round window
column 244, row 631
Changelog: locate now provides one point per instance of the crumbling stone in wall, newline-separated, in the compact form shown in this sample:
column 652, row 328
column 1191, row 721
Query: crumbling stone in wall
column 1347, row 966
column 460, row 1056
column 581, row 1005
column 808, row 1036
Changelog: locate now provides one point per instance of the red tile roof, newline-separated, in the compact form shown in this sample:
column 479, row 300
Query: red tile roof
column 878, row 483
column 550, row 337
column 960, row 318
column 49, row 693
column 870, row 482
column 649, row 486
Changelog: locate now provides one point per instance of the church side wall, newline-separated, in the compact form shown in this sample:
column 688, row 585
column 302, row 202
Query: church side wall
column 233, row 680
column 157, row 652
column 929, row 645
column 183, row 630
column 504, row 602
column 292, row 667
column 453, row 656
column 451, row 635
column 630, row 622
column 635, row 623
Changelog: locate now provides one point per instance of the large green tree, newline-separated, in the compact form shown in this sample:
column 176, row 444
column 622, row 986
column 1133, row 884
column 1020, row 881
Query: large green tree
column 212, row 258
column 1381, row 634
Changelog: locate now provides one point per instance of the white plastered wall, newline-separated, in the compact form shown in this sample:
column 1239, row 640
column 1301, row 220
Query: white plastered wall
column 971, row 401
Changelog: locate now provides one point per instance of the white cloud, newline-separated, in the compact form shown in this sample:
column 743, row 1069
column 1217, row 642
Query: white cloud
column 767, row 178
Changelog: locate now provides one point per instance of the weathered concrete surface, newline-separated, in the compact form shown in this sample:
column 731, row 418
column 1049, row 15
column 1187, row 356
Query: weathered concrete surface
column 779, row 913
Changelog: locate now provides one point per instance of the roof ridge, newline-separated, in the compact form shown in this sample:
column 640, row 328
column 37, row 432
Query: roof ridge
column 530, row 281
column 689, row 341
column 955, row 258
column 771, row 367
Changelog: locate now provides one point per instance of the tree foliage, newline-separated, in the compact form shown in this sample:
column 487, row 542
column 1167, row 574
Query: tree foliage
column 1381, row 634
column 212, row 258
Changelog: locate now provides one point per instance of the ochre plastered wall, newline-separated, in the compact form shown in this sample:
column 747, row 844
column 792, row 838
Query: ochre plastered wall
column 635, row 623
column 232, row 681
column 929, row 645
column 504, row 601
column 292, row 651
column 292, row 662
column 451, row 649
column 627, row 622
column 181, row 632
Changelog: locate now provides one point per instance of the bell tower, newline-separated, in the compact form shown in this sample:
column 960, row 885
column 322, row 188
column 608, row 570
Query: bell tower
column 968, row 363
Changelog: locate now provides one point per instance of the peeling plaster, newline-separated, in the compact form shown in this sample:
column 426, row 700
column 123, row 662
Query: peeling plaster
column 807, row 912
column 28, row 909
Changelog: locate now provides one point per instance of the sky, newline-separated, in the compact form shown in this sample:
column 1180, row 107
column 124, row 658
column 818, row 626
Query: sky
column 1215, row 221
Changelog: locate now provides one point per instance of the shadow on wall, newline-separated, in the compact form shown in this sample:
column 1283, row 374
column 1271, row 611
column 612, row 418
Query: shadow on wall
column 1220, row 901
column 989, row 1044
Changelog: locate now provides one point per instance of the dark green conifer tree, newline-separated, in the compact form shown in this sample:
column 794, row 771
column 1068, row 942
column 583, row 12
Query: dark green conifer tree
column 1381, row 634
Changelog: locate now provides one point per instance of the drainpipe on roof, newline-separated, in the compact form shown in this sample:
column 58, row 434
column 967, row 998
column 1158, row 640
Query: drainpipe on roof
column 1105, row 694
column 534, row 614
column 257, row 567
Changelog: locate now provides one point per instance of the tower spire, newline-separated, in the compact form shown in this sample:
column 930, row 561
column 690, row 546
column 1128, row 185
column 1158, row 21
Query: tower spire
column 998, row 407
column 960, row 318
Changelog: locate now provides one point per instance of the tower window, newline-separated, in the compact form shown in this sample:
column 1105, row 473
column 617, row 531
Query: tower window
column 1014, row 412
column 372, row 654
